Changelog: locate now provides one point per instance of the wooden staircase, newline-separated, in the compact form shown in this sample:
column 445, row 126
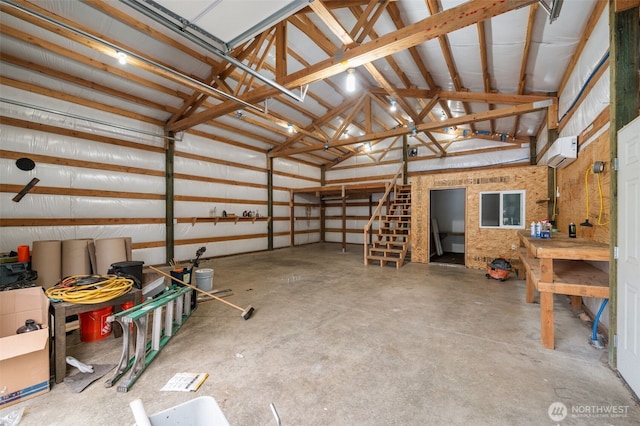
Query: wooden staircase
column 391, row 241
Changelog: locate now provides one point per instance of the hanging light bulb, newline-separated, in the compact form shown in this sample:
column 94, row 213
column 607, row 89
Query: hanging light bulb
column 122, row 57
column 393, row 107
column 290, row 127
column 351, row 80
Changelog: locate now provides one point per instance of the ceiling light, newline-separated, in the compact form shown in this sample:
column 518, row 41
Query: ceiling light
column 122, row 57
column 393, row 107
column 290, row 126
column 367, row 147
column 351, row 80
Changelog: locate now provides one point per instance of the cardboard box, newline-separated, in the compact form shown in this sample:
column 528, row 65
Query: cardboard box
column 24, row 358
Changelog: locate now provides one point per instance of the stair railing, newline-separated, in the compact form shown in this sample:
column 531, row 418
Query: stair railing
column 377, row 214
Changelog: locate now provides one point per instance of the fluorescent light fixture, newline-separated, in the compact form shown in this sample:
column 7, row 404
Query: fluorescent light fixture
column 393, row 107
column 351, row 80
column 122, row 57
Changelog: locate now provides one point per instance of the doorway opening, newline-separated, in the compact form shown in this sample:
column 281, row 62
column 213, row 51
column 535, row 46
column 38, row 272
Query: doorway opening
column 447, row 213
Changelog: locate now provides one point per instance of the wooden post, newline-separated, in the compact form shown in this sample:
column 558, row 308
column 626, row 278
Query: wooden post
column 405, row 159
column 551, row 191
column 344, row 220
column 370, row 214
column 169, row 156
column 533, row 150
column 546, row 320
column 323, row 173
column 322, row 228
column 270, row 203
column 530, row 288
column 624, row 101
column 292, row 218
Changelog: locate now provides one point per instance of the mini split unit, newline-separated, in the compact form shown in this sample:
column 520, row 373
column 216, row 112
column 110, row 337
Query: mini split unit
column 562, row 152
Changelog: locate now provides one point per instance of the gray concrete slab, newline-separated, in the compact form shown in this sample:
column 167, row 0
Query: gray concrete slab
column 333, row 342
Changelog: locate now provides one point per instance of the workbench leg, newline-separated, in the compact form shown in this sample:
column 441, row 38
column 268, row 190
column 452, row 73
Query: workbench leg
column 530, row 287
column 576, row 302
column 60, row 343
column 546, row 320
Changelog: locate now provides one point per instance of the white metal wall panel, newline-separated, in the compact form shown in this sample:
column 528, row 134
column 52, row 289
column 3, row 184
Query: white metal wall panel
column 595, row 48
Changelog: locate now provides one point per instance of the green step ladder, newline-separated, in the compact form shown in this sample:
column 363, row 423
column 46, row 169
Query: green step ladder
column 169, row 311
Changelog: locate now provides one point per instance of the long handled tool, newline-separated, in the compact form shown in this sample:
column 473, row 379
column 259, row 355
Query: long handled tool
column 246, row 313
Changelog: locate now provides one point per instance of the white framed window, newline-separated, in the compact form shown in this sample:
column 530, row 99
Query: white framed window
column 502, row 209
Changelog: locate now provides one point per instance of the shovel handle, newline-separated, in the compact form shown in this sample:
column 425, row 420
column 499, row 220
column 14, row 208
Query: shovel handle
column 196, row 288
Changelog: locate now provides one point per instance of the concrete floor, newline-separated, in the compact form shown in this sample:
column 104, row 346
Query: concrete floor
column 333, row 342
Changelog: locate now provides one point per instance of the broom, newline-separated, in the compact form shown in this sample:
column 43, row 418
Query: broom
column 246, row 313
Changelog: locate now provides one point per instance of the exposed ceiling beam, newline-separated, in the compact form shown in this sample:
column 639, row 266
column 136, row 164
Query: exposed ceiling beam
column 449, row 122
column 525, row 59
column 433, row 26
column 482, row 97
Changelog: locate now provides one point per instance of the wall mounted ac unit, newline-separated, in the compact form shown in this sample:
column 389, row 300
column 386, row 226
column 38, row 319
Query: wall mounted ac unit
column 562, row 152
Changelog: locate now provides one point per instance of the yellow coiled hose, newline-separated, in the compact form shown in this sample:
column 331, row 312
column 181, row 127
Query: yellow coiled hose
column 89, row 289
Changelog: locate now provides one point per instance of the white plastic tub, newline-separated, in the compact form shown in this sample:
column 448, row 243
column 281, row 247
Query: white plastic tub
column 200, row 411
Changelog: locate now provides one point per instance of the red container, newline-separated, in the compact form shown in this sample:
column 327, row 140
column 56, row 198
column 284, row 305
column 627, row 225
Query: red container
column 94, row 325
column 23, row 254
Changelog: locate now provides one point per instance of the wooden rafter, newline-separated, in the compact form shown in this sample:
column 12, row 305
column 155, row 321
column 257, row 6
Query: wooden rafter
column 525, row 60
column 450, row 122
column 467, row 96
column 347, row 121
column 360, row 45
column 434, row 8
column 433, row 26
column 484, row 65
column 366, row 21
column 394, row 12
column 281, row 50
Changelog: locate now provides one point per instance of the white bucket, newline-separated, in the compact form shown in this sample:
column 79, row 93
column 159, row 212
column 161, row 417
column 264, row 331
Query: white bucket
column 204, row 279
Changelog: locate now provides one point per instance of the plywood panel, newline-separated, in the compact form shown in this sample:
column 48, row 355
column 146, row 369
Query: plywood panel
column 572, row 206
column 482, row 245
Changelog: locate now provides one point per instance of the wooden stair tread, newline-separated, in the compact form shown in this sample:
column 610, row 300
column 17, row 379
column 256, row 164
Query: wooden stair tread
column 386, row 250
column 386, row 259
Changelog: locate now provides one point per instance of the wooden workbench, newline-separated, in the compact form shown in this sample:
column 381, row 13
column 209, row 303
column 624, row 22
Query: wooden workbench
column 557, row 266
column 61, row 310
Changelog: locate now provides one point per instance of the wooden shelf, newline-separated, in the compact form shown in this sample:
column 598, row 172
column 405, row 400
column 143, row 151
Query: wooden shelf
column 217, row 219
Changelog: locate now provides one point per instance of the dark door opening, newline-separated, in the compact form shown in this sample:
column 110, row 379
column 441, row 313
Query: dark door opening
column 447, row 215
